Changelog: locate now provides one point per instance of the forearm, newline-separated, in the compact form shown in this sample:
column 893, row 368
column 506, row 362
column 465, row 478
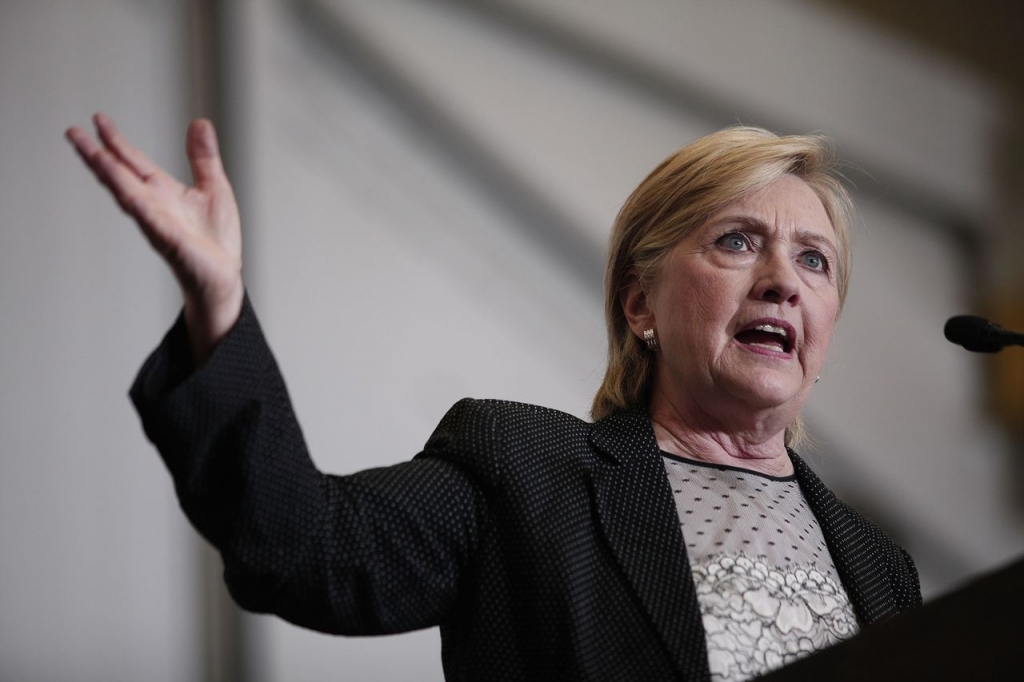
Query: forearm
column 379, row 551
column 227, row 433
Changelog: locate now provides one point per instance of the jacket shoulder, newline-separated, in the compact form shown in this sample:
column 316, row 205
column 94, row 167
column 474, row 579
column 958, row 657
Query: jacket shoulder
column 471, row 416
column 486, row 434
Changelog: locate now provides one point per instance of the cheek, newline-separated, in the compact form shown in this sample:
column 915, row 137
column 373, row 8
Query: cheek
column 695, row 313
column 695, row 302
column 819, row 328
column 715, row 294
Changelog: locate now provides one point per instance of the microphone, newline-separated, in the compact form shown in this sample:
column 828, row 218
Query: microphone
column 979, row 335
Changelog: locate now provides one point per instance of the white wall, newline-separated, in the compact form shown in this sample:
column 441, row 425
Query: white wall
column 97, row 578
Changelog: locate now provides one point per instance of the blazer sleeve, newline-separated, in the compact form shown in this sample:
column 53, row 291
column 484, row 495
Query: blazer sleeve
column 897, row 566
column 377, row 552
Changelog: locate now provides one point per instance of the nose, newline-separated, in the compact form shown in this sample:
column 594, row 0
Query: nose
column 777, row 281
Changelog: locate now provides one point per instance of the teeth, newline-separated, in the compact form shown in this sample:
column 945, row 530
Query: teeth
column 772, row 329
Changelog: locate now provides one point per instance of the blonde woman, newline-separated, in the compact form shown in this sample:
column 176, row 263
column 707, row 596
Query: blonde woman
column 678, row 536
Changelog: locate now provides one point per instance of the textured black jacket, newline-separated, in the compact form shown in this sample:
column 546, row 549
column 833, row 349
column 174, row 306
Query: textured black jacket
column 546, row 547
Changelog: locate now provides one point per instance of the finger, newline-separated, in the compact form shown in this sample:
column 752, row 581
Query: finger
column 86, row 147
column 138, row 162
column 128, row 189
column 135, row 199
column 126, row 186
column 99, row 160
column 204, row 154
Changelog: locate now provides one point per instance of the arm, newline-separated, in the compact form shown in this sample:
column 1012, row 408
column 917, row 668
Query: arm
column 897, row 568
column 906, row 585
column 376, row 552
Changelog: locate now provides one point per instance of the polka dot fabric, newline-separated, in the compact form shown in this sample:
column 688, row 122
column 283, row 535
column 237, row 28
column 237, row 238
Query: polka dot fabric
column 879, row 576
column 545, row 547
column 722, row 508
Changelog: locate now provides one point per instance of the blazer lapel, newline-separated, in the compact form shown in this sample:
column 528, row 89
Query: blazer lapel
column 640, row 522
column 849, row 541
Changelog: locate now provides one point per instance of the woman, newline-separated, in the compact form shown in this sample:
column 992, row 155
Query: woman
column 676, row 537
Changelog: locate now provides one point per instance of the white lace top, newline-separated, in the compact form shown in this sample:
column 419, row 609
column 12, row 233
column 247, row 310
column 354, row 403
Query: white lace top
column 768, row 590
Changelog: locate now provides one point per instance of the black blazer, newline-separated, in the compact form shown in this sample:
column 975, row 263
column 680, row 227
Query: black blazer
column 545, row 547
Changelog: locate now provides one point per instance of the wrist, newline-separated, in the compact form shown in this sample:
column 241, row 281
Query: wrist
column 208, row 322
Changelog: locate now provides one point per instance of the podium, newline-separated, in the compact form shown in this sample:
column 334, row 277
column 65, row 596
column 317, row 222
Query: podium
column 974, row 633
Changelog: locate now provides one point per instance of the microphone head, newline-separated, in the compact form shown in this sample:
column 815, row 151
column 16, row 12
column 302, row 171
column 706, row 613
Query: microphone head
column 974, row 333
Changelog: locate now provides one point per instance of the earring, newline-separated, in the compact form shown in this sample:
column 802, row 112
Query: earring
column 818, row 379
column 650, row 340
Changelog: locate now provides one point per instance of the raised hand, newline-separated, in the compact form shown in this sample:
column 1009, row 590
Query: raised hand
column 196, row 229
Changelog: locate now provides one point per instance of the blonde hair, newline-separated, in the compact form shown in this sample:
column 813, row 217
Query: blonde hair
column 679, row 196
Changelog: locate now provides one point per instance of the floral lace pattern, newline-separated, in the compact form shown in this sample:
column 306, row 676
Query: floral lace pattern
column 759, row 617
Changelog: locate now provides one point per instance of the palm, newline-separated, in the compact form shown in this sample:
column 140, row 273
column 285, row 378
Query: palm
column 195, row 229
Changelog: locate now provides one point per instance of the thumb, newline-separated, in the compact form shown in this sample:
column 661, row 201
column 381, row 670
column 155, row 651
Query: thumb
column 204, row 153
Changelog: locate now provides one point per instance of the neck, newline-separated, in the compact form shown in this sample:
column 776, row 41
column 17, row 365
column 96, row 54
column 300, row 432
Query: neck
column 758, row 445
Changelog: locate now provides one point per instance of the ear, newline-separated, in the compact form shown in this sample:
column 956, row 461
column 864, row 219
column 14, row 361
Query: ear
column 636, row 306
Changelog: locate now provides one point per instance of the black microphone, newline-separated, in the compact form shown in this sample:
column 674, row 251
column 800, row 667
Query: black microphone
column 979, row 335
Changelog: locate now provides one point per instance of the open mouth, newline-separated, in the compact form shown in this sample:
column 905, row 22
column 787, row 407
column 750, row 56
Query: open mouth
column 776, row 336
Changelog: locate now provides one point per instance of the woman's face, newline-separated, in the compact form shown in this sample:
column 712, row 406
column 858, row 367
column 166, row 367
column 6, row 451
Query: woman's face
column 745, row 305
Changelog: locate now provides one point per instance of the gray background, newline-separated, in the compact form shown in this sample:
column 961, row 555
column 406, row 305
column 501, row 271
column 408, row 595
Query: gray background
column 427, row 188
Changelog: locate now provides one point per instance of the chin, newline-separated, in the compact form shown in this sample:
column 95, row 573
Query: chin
column 769, row 392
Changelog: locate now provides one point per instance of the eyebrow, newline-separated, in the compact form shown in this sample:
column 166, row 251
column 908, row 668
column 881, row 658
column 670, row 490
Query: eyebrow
column 808, row 237
column 801, row 235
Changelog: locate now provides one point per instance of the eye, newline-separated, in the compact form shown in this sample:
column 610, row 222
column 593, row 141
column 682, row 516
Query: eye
column 734, row 241
column 815, row 260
